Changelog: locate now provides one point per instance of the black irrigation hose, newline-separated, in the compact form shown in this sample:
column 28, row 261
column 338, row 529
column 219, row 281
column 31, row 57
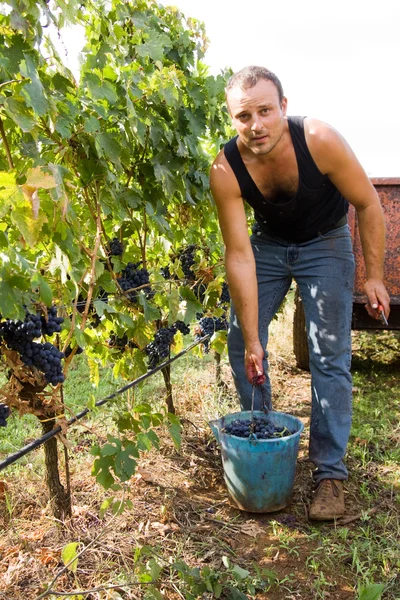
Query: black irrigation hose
column 12, row 458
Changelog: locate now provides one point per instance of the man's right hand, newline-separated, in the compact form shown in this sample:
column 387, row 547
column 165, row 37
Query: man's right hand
column 253, row 362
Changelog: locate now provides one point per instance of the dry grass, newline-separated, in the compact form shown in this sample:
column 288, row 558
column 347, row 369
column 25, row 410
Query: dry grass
column 180, row 509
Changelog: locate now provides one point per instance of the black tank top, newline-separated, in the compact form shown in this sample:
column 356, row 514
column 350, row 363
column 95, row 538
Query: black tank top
column 317, row 206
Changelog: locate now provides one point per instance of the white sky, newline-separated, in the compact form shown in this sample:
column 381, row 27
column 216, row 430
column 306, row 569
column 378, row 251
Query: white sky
column 338, row 60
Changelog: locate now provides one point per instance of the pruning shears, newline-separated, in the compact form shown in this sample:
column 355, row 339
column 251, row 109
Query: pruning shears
column 382, row 316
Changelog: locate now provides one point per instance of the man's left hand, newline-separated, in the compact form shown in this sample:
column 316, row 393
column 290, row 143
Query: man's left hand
column 378, row 298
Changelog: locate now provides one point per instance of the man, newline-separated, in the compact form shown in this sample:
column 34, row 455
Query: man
column 298, row 174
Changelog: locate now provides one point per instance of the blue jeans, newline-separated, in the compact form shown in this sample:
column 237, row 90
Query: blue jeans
column 324, row 271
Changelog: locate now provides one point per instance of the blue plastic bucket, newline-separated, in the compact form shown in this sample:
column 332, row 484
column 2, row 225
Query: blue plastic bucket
column 259, row 474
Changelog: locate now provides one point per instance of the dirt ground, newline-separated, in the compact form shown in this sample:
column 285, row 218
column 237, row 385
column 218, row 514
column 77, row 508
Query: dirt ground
column 180, row 507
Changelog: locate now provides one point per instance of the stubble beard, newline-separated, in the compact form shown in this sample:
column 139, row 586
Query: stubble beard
column 265, row 148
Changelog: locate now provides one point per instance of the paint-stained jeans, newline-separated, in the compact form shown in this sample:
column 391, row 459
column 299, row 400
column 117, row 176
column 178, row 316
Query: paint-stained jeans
column 324, row 271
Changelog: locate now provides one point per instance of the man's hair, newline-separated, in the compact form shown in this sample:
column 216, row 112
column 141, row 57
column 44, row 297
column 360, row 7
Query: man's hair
column 249, row 76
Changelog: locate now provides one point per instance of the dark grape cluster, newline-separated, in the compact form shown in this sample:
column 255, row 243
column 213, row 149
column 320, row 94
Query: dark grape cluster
column 115, row 248
column 208, row 326
column 225, row 297
column 180, row 326
column 186, row 257
column 4, row 414
column 260, row 428
column 115, row 341
column 69, row 350
column 19, row 336
column 165, row 272
column 15, row 331
column 132, row 277
column 187, row 260
column 46, row 358
column 53, row 323
column 158, row 349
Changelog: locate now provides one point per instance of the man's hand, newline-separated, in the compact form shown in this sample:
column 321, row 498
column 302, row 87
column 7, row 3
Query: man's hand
column 378, row 298
column 253, row 358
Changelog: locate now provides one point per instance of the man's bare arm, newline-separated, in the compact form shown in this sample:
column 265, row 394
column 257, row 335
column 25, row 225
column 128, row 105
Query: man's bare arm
column 239, row 261
column 335, row 158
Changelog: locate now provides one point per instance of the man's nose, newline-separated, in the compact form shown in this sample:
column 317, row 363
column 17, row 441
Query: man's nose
column 256, row 123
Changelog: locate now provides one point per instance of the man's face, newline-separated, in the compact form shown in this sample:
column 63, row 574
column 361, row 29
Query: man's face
column 258, row 115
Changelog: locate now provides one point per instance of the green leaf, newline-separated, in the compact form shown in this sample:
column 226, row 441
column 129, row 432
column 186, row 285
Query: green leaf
column 101, row 468
column 109, row 450
column 91, row 403
column 10, row 301
column 108, row 146
column 219, row 341
column 29, row 227
column 46, row 295
column 105, row 505
column 372, row 592
column 91, row 125
column 232, row 593
column 69, row 553
column 151, row 312
column 10, row 193
column 191, row 305
column 33, row 91
column 144, row 442
column 153, row 437
column 80, row 337
column 173, row 305
column 241, row 573
column 102, row 307
column 175, row 429
column 165, row 177
column 155, row 47
column 17, row 110
column 101, row 89
column 98, row 269
column 154, row 569
column 125, row 465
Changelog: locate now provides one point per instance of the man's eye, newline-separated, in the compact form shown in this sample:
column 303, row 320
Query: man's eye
column 264, row 111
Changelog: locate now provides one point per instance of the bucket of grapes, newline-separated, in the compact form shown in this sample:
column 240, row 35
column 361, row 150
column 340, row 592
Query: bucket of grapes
column 259, row 454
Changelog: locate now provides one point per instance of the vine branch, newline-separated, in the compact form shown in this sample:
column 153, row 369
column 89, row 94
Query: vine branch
column 6, row 146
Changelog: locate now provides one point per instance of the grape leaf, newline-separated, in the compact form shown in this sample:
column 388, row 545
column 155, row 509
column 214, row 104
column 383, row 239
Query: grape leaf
column 69, row 553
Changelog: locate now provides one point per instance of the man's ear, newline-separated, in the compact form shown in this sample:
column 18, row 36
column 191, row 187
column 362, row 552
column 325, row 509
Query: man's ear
column 284, row 105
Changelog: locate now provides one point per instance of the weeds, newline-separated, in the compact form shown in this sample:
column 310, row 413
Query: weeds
column 179, row 533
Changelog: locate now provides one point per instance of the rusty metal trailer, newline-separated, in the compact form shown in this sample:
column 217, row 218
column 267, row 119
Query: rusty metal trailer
column 388, row 189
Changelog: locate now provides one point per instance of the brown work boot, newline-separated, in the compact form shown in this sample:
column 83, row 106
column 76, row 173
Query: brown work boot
column 328, row 502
